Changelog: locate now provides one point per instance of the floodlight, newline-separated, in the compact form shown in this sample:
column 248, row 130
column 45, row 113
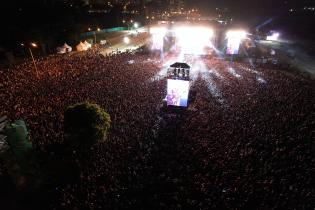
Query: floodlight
column 158, row 30
column 201, row 39
column 273, row 37
column 158, row 34
column 236, row 34
column 126, row 40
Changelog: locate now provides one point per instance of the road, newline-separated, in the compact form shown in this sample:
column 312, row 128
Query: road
column 116, row 43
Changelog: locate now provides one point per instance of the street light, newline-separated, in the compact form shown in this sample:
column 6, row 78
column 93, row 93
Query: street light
column 35, row 46
column 98, row 30
column 136, row 25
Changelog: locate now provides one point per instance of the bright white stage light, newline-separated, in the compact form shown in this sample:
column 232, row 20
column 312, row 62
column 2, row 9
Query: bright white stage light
column 126, row 40
column 234, row 40
column 236, row 34
column 158, row 30
column 193, row 40
column 158, row 35
column 273, row 37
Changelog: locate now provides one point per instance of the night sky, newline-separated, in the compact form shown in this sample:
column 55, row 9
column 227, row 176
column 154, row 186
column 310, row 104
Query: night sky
column 263, row 6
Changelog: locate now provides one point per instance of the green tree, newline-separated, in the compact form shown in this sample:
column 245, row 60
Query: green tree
column 85, row 124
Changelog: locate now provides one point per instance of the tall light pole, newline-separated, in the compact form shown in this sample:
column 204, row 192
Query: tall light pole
column 35, row 46
column 98, row 30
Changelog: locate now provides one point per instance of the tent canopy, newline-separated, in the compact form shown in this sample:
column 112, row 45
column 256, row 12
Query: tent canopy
column 83, row 46
column 66, row 46
column 64, row 49
column 180, row 65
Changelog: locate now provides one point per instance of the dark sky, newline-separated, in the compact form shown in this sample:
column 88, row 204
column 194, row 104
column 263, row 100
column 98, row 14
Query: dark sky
column 252, row 5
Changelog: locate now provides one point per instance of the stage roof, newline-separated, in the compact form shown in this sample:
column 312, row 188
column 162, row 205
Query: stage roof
column 180, row 65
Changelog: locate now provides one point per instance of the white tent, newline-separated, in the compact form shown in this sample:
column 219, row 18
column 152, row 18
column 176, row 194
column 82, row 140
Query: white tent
column 61, row 50
column 67, row 47
column 87, row 45
column 64, row 49
column 103, row 42
column 81, row 47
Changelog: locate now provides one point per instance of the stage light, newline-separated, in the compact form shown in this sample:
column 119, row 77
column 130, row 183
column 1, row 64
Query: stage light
column 158, row 30
column 234, row 40
column 236, row 34
column 157, row 37
column 201, row 38
column 273, row 37
column 126, row 40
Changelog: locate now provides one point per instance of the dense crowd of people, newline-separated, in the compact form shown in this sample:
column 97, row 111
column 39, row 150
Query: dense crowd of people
column 245, row 142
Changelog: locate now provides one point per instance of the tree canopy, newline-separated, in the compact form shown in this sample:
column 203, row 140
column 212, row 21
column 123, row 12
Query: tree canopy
column 86, row 124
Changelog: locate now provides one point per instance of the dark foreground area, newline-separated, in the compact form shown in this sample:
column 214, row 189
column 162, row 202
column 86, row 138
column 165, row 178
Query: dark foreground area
column 246, row 142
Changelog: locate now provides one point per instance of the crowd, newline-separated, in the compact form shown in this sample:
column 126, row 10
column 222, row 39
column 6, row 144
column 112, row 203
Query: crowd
column 245, row 142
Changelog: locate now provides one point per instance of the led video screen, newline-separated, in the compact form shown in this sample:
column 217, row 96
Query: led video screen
column 157, row 42
column 177, row 92
column 233, row 46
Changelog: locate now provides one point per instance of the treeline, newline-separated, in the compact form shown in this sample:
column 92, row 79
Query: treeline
column 48, row 23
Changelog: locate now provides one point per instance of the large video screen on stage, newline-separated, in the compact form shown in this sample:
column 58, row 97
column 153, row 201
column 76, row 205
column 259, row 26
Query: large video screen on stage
column 177, row 92
column 233, row 45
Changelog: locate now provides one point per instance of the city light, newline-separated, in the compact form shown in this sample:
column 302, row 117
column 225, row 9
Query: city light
column 33, row 44
column 98, row 29
column 136, row 25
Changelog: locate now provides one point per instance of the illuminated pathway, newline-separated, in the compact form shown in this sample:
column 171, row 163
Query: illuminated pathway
column 117, row 42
